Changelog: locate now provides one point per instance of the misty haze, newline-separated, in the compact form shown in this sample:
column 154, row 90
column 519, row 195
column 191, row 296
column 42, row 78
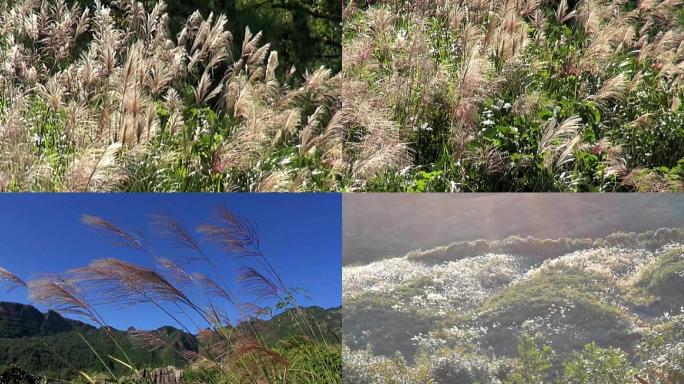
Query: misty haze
column 389, row 225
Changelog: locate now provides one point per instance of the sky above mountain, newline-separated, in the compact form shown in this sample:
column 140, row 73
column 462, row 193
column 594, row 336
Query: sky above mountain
column 378, row 226
column 300, row 234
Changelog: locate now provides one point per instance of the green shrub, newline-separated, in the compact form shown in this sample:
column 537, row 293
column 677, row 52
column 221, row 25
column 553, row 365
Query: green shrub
column 598, row 365
column 533, row 363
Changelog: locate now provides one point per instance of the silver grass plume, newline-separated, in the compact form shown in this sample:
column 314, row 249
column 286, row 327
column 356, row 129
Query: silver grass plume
column 12, row 280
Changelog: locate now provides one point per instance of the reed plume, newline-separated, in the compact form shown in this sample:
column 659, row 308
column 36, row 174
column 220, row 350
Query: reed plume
column 238, row 235
column 110, row 65
column 120, row 282
column 558, row 141
column 212, row 288
column 255, row 283
column 614, row 89
column 12, row 280
column 63, row 295
column 177, row 273
column 118, row 236
column 170, row 228
column 149, row 340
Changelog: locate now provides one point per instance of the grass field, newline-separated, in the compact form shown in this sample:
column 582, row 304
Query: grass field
column 514, row 95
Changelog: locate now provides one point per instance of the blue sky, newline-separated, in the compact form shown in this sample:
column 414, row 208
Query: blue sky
column 300, row 234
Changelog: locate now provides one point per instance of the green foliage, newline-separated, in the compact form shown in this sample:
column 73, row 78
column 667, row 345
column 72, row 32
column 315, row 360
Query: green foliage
column 665, row 280
column 598, row 365
column 312, row 363
column 481, row 86
column 15, row 375
column 192, row 168
column 660, row 353
column 306, row 33
column 61, row 354
column 51, row 346
column 288, row 324
column 533, row 362
column 426, row 181
column 373, row 321
column 458, row 367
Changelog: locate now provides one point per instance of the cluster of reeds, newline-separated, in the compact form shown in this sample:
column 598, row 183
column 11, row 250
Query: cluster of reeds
column 514, row 94
column 201, row 305
column 104, row 98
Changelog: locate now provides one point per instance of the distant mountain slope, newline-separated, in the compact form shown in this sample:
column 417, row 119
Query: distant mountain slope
column 43, row 343
column 322, row 322
column 21, row 320
column 49, row 344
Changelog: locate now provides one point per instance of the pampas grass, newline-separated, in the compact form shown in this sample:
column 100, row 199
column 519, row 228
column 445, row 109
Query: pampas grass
column 558, row 140
column 196, row 302
column 111, row 76
column 455, row 95
column 12, row 280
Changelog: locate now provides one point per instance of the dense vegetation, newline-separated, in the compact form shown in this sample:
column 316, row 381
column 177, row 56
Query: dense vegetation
column 520, row 311
column 51, row 347
column 306, row 33
column 514, row 95
column 15, row 375
column 100, row 96
column 252, row 331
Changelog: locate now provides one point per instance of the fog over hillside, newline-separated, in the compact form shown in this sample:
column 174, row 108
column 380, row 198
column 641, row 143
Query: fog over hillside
column 378, row 226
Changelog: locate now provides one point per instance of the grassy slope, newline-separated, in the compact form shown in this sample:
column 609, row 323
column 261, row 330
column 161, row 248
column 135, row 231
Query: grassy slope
column 611, row 298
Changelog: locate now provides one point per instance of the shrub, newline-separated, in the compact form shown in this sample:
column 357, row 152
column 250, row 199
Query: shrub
column 664, row 279
column 456, row 367
column 533, row 363
column 661, row 352
column 598, row 365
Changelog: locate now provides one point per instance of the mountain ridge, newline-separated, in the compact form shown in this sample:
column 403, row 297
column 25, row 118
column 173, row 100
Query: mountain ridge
column 52, row 322
column 29, row 321
column 40, row 342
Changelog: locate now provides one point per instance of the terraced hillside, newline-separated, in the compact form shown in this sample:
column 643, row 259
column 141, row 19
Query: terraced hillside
column 520, row 310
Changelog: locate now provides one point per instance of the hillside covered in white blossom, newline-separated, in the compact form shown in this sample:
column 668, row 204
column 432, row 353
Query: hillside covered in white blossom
column 520, row 310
